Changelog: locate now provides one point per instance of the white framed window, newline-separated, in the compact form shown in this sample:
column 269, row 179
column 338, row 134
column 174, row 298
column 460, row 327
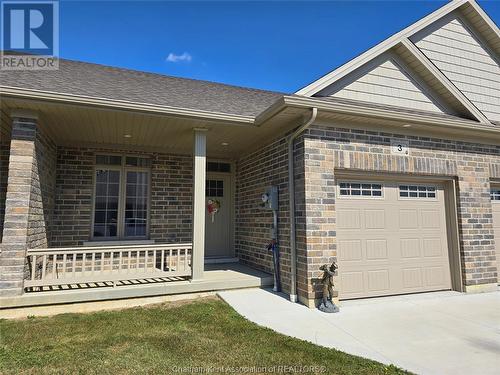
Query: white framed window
column 121, row 197
column 357, row 189
column 495, row 194
column 417, row 191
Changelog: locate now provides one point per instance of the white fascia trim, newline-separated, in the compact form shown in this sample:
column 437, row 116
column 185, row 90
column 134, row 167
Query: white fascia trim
column 348, row 67
column 122, row 104
column 270, row 112
column 417, row 118
column 486, row 18
column 459, row 95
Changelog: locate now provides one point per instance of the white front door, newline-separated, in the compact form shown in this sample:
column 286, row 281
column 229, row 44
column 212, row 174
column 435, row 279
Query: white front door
column 219, row 216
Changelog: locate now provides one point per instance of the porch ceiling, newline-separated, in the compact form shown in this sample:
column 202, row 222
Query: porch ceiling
column 87, row 126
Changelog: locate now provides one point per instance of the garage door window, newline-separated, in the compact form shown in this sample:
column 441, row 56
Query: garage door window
column 417, row 191
column 495, row 194
column 360, row 189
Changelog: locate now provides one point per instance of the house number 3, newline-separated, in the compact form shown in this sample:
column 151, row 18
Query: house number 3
column 400, row 147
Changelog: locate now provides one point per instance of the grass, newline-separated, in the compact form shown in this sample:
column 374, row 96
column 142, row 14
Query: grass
column 160, row 340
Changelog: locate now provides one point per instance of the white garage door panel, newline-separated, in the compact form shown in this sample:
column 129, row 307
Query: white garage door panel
column 391, row 245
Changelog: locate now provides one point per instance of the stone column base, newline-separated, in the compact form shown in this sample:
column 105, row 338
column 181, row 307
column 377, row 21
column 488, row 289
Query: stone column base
column 481, row 288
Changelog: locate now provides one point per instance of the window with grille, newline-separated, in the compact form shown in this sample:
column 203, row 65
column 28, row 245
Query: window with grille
column 214, row 188
column 495, row 194
column 121, row 199
column 107, row 195
column 417, row 191
column 360, row 189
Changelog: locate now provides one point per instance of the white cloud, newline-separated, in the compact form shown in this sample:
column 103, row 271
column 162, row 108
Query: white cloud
column 185, row 57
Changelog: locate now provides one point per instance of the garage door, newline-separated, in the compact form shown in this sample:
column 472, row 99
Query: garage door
column 495, row 202
column 391, row 238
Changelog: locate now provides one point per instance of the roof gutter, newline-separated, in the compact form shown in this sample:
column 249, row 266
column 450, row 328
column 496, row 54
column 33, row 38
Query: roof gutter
column 291, row 194
column 370, row 112
column 21, row 93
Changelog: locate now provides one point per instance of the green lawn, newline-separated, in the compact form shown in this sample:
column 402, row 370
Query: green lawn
column 160, row 339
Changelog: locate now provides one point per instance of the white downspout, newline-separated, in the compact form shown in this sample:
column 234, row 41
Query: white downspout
column 291, row 194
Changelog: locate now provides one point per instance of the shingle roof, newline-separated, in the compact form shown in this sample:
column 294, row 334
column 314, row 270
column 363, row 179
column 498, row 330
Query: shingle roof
column 80, row 78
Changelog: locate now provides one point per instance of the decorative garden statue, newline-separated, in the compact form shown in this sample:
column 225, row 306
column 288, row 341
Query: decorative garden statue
column 327, row 305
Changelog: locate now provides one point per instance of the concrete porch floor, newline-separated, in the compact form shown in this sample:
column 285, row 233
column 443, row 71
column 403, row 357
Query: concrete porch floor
column 217, row 277
column 430, row 333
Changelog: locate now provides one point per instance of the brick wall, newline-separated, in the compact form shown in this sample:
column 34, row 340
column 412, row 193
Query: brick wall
column 328, row 149
column 171, row 196
column 73, row 203
column 318, row 154
column 257, row 171
column 42, row 191
column 4, row 170
column 319, row 209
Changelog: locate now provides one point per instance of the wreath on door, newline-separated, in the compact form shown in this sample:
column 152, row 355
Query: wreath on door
column 213, row 206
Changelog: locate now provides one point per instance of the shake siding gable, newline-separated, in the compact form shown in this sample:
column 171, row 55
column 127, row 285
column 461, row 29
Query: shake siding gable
column 388, row 84
column 462, row 58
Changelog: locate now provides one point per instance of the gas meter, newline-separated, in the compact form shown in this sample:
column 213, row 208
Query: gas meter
column 270, row 199
column 270, row 202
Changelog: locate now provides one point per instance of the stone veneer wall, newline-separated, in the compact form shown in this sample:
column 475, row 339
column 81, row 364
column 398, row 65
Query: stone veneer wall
column 171, row 196
column 30, row 173
column 42, row 191
column 257, row 171
column 328, row 149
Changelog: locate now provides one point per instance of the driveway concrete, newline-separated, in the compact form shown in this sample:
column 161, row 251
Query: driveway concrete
column 430, row 333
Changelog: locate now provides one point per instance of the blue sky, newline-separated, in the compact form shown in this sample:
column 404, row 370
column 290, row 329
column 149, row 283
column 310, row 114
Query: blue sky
column 276, row 45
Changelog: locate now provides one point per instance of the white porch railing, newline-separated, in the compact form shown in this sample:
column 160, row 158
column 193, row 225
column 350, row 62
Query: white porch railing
column 78, row 265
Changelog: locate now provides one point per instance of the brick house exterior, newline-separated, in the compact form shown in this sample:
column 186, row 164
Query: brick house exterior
column 49, row 147
column 171, row 193
column 335, row 149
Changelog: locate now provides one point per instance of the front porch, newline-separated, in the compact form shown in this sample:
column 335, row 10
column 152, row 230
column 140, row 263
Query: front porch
column 122, row 215
column 217, row 277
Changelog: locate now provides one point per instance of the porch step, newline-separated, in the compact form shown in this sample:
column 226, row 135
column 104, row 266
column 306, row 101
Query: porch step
column 221, row 260
column 217, row 276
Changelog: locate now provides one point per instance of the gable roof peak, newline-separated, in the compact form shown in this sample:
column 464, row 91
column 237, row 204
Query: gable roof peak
column 394, row 40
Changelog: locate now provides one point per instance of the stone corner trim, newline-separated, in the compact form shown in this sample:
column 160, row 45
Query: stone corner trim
column 21, row 168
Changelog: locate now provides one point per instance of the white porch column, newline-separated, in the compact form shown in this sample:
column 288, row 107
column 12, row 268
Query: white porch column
column 199, row 176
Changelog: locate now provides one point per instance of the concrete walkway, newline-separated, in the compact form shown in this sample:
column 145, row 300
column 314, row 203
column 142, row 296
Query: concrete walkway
column 431, row 333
